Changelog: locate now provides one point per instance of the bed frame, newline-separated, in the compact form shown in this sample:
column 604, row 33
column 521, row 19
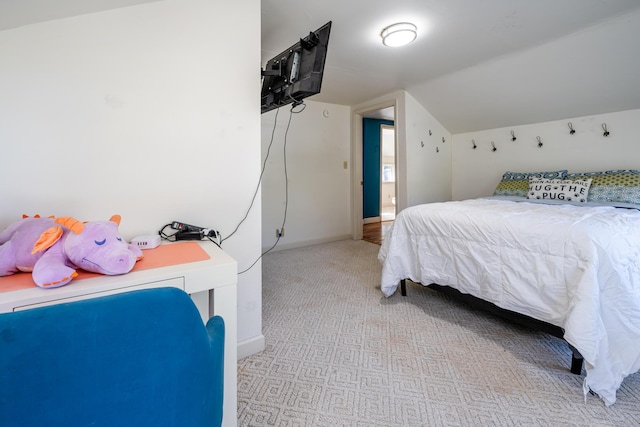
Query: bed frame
column 512, row 316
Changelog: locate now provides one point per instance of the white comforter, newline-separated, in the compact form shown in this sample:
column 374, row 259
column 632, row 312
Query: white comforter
column 572, row 266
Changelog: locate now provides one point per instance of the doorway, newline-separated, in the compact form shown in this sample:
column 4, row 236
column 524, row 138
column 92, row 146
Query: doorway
column 386, row 108
column 378, row 189
column 388, row 181
column 378, row 168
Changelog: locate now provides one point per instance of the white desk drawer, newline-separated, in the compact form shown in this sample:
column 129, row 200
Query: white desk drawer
column 177, row 282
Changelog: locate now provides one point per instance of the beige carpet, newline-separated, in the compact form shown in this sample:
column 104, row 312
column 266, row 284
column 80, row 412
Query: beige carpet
column 338, row 353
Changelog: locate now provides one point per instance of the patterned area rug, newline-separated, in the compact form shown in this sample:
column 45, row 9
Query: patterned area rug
column 338, row 353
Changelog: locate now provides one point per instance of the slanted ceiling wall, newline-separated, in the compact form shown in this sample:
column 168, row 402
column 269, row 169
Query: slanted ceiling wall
column 590, row 72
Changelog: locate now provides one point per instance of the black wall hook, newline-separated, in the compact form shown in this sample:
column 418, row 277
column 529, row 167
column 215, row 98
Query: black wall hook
column 473, row 142
column 540, row 144
column 493, row 144
column 571, row 129
column 513, row 136
column 604, row 127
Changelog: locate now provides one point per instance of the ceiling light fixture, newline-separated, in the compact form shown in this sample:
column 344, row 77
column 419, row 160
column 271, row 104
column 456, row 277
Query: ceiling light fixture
column 399, row 34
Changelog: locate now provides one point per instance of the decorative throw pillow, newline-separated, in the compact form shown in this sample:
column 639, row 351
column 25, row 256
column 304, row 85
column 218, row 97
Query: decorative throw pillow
column 517, row 183
column 612, row 186
column 574, row 191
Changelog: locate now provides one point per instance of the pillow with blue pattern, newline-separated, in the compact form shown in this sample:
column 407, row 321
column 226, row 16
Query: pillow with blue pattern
column 622, row 185
column 517, row 183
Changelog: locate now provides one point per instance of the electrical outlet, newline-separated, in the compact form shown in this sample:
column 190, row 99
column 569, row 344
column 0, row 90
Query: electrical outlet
column 279, row 232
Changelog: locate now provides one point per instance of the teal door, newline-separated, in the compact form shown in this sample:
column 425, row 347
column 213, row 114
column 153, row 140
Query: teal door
column 371, row 167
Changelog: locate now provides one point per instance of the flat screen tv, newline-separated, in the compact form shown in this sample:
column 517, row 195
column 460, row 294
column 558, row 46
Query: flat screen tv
column 296, row 73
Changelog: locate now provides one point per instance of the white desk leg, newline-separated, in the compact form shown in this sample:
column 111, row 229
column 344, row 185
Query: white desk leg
column 224, row 304
column 201, row 301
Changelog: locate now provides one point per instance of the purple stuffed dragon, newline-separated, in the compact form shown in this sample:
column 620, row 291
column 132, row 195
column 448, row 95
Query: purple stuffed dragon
column 54, row 248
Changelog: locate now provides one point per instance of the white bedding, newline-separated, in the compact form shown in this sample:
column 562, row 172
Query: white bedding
column 572, row 266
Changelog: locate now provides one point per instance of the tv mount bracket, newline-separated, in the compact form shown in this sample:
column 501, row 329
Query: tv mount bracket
column 307, row 43
column 311, row 41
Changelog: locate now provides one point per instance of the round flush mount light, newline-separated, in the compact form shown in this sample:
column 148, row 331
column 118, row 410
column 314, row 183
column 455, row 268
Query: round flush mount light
column 399, row 34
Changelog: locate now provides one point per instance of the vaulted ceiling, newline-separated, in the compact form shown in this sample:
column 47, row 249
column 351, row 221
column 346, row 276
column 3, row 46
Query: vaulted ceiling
column 16, row 13
column 476, row 64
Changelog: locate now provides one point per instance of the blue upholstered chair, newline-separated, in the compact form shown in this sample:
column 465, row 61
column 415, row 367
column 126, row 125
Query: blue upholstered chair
column 142, row 358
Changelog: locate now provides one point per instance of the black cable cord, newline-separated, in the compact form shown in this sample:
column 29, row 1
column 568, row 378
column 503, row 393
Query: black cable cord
column 253, row 199
column 264, row 165
column 173, row 238
column 165, row 236
column 213, row 241
column 286, row 183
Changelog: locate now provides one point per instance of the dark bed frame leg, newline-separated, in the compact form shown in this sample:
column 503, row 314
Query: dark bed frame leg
column 576, row 358
column 576, row 361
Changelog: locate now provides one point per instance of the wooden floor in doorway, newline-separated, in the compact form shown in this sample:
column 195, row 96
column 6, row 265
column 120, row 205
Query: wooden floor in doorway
column 375, row 232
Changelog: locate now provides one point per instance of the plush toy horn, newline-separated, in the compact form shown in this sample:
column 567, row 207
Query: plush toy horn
column 116, row 219
column 70, row 223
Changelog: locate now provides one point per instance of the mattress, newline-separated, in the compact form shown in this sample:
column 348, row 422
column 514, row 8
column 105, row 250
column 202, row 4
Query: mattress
column 573, row 266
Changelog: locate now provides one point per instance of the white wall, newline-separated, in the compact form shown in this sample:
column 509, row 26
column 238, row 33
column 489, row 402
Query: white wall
column 144, row 111
column 477, row 172
column 317, row 145
column 423, row 173
column 428, row 157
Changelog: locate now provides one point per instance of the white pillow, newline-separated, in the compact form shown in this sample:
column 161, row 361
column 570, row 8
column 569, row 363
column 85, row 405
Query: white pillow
column 574, row 191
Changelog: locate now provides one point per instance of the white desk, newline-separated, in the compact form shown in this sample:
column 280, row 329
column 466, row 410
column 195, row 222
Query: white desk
column 212, row 285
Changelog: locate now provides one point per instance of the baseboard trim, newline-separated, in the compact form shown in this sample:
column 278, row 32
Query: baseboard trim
column 251, row 346
column 283, row 246
column 372, row 220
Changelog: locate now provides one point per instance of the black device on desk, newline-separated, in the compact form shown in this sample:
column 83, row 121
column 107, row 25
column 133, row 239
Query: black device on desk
column 191, row 232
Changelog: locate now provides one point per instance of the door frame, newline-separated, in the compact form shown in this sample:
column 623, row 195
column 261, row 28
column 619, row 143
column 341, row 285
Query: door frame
column 395, row 165
column 356, row 160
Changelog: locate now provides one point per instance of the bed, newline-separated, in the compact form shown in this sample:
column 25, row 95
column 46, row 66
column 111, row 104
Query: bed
column 572, row 264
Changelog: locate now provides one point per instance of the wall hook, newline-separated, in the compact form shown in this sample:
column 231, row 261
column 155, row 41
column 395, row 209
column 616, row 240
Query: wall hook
column 513, row 136
column 422, row 144
column 437, row 150
column 443, row 139
column 571, row 129
column 540, row 144
column 494, row 149
column 473, row 142
column 429, row 132
column 604, row 127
